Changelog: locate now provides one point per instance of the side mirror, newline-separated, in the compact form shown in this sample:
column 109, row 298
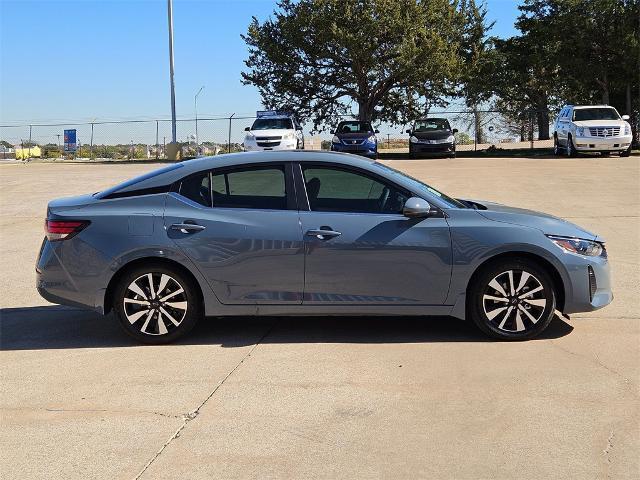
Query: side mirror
column 416, row 208
column 332, row 132
column 455, row 130
column 246, row 129
column 625, row 117
column 409, row 131
column 376, row 131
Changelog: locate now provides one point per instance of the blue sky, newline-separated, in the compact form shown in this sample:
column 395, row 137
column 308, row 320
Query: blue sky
column 86, row 60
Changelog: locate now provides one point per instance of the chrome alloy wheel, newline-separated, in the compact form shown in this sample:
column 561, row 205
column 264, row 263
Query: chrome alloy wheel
column 157, row 301
column 514, row 301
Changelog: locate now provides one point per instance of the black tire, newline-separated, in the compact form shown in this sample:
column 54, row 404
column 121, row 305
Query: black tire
column 516, row 323
column 452, row 155
column 556, row 146
column 626, row 153
column 157, row 324
column 571, row 149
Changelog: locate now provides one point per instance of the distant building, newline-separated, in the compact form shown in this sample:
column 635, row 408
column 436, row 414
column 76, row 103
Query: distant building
column 27, row 152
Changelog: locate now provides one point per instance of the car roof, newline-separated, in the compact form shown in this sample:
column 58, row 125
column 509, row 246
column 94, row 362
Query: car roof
column 172, row 173
column 432, row 118
column 578, row 107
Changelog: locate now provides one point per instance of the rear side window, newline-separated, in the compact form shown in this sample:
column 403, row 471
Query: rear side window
column 336, row 190
column 257, row 187
column 197, row 188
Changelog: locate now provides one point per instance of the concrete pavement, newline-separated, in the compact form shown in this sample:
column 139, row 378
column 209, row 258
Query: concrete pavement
column 327, row 397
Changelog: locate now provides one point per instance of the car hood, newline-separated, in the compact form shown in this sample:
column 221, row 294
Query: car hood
column 354, row 136
column 433, row 134
column 547, row 224
column 600, row 123
column 271, row 133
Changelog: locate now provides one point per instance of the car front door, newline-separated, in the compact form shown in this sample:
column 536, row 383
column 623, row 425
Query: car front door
column 240, row 227
column 360, row 249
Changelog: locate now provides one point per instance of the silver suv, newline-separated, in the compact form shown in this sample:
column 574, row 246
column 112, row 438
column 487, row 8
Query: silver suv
column 591, row 128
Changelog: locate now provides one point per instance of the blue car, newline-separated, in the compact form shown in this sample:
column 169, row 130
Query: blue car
column 357, row 137
column 311, row 233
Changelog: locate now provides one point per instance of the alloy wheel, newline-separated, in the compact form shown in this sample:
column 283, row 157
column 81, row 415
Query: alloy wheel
column 156, row 303
column 514, row 301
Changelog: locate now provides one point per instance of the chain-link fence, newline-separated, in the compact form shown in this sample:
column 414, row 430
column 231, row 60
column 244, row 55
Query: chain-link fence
column 148, row 139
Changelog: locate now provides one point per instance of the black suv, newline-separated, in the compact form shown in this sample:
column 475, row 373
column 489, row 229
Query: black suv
column 432, row 136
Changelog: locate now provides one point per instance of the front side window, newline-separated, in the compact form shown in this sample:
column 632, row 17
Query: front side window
column 601, row 113
column 272, row 124
column 332, row 189
column 256, row 187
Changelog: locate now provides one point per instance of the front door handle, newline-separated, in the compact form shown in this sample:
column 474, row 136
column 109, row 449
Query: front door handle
column 323, row 234
column 187, row 227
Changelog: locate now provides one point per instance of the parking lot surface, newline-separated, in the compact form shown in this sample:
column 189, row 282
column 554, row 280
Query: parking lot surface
column 327, row 397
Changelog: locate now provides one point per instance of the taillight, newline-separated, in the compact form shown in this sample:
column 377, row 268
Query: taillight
column 63, row 229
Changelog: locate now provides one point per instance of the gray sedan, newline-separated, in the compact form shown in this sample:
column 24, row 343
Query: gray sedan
column 311, row 233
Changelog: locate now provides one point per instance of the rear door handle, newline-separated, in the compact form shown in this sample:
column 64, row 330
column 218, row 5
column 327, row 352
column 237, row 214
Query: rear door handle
column 187, row 227
column 322, row 234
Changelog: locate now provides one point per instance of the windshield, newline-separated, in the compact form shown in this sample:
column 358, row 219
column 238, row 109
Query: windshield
column 431, row 125
column 272, row 124
column 354, row 127
column 420, row 186
column 604, row 113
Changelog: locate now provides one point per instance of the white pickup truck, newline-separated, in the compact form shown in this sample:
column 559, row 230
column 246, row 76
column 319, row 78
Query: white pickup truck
column 273, row 130
column 591, row 128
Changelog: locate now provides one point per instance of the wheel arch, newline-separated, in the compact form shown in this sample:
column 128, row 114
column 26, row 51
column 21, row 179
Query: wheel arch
column 125, row 268
column 556, row 278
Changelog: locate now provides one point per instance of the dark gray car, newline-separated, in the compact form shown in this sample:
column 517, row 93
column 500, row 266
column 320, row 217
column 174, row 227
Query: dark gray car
column 311, row 233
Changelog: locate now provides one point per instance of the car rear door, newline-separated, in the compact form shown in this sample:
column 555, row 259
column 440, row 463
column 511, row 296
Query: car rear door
column 240, row 227
column 360, row 249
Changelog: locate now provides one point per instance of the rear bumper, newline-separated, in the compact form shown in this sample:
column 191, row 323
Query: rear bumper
column 74, row 284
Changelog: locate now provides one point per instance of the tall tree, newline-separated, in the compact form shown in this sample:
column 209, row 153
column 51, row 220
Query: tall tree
column 394, row 59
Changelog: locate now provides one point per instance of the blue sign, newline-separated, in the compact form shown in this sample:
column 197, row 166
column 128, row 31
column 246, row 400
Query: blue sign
column 70, row 144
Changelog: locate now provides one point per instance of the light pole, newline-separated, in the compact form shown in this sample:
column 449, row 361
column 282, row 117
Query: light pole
column 173, row 88
column 195, row 104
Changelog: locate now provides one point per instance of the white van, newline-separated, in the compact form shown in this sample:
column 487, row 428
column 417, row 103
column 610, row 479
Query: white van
column 273, row 130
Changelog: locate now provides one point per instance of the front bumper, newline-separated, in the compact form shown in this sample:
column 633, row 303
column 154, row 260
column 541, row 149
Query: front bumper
column 415, row 148
column 366, row 149
column 282, row 145
column 587, row 292
column 599, row 144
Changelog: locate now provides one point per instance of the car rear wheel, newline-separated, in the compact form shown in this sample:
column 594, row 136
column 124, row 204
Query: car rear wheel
column 512, row 300
column 155, row 304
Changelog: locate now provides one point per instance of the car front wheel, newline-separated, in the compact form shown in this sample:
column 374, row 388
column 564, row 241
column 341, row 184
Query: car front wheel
column 155, row 304
column 556, row 146
column 513, row 300
column 571, row 149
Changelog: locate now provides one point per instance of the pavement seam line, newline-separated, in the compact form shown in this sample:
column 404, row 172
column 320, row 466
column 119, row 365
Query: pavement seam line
column 186, row 418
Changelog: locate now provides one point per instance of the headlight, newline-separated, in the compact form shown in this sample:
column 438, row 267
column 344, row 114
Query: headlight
column 582, row 131
column 414, row 139
column 335, row 139
column 372, row 139
column 289, row 136
column 249, row 137
column 587, row 248
column 627, row 129
column 451, row 139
